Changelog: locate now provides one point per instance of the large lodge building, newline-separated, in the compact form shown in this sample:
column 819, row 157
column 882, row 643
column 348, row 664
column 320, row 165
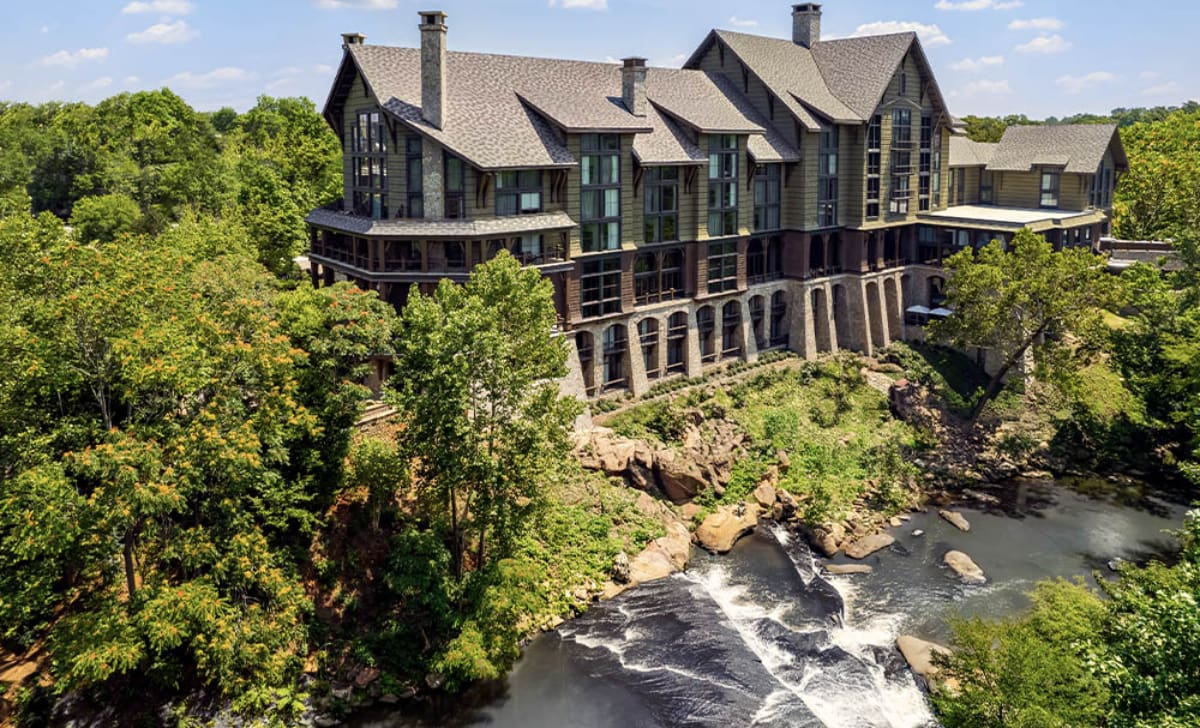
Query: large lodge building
column 773, row 193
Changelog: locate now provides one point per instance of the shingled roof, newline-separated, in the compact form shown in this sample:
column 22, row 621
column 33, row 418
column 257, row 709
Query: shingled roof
column 1078, row 148
column 501, row 111
column 966, row 152
column 841, row 80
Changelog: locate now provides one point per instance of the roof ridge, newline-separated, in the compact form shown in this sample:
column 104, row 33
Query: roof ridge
column 513, row 56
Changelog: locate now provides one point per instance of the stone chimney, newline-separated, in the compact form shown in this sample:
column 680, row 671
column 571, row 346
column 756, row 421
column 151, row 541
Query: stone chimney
column 633, row 85
column 806, row 24
column 349, row 39
column 433, row 66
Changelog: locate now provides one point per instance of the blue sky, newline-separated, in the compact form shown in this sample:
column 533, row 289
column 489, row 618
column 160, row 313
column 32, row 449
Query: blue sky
column 1036, row 57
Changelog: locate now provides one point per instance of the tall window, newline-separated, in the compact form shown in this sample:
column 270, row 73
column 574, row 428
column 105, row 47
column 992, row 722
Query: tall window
column 369, row 165
column 757, row 317
column 827, row 178
column 414, row 178
column 616, row 346
column 600, row 192
column 456, row 184
column 901, row 161
column 600, row 287
column 986, row 183
column 731, row 329
column 519, row 193
column 1050, row 184
column 722, row 266
column 706, row 324
column 779, row 331
column 677, row 332
column 874, row 164
column 767, row 195
column 937, row 169
column 1101, row 192
column 648, row 338
column 925, row 170
column 722, row 185
column 662, row 204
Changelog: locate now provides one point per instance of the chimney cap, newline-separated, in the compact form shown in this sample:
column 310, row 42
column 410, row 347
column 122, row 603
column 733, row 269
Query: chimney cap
column 807, row 8
column 634, row 62
column 432, row 17
column 353, row 39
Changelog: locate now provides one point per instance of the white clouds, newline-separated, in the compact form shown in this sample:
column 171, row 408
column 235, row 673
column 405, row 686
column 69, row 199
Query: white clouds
column 1149, row 75
column 1037, row 24
column 130, row 80
column 102, row 82
column 740, row 23
column 1079, row 84
column 984, row 88
column 930, row 35
column 978, row 4
column 1170, row 88
column 67, row 59
column 210, row 79
column 163, row 7
column 586, row 4
column 164, row 33
column 356, row 4
column 1045, row 45
column 971, row 65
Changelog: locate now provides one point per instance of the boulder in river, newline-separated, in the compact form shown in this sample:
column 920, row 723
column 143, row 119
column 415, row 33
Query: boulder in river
column 919, row 654
column 868, row 545
column 663, row 557
column 764, row 495
column 848, row 569
column 965, row 567
column 955, row 519
column 722, row 529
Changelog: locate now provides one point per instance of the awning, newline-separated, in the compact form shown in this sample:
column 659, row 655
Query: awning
column 941, row 313
column 919, row 310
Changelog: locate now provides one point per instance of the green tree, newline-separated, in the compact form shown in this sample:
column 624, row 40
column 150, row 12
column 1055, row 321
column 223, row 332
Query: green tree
column 1159, row 197
column 1025, row 300
column 475, row 386
column 105, row 218
column 1027, row 673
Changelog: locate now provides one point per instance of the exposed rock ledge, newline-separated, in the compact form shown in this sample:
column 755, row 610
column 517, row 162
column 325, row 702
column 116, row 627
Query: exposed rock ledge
column 721, row 530
column 919, row 655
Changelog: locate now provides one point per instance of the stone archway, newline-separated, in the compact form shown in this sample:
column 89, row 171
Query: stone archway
column 843, row 326
column 891, row 301
column 820, row 320
column 875, row 321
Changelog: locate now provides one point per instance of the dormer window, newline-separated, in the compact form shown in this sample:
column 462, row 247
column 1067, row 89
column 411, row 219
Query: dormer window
column 600, row 192
column 519, row 193
column 1051, row 179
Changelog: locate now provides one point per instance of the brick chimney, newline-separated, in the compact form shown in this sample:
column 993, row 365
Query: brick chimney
column 433, row 66
column 349, row 39
column 806, row 24
column 633, row 85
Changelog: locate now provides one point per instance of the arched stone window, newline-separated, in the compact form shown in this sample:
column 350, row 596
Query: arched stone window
column 779, row 323
column 706, row 325
column 731, row 329
column 586, row 345
column 758, row 319
column 648, row 338
column 616, row 346
column 677, row 331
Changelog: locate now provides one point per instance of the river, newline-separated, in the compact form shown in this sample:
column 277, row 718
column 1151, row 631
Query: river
column 761, row 637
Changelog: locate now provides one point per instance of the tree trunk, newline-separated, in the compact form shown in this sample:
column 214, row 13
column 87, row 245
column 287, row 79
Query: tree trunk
column 130, row 565
column 997, row 382
column 456, row 551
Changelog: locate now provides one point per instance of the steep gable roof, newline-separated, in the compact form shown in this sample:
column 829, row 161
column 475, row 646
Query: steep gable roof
column 505, row 112
column 1078, row 148
column 840, row 80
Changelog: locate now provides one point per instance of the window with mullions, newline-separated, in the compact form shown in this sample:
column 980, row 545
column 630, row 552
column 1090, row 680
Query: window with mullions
column 600, row 192
column 456, row 184
column 600, row 287
column 677, row 333
column 661, row 204
column 901, row 191
column 722, row 185
column 767, row 182
column 722, row 266
column 706, row 324
column 658, row 276
column 648, row 338
column 827, row 178
column 368, row 165
column 874, row 164
column 925, row 164
column 519, row 193
column 414, row 178
column 1050, row 186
